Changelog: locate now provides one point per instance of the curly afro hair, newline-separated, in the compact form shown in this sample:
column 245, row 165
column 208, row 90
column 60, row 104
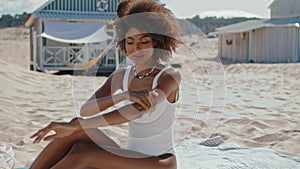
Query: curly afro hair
column 123, row 7
column 153, row 18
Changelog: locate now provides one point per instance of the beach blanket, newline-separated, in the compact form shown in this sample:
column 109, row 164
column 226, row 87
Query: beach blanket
column 7, row 160
column 215, row 153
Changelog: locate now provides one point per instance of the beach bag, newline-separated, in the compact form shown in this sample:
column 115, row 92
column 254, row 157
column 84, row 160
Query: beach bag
column 7, row 159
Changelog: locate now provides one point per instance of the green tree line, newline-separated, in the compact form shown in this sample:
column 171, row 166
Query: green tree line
column 8, row 20
column 209, row 24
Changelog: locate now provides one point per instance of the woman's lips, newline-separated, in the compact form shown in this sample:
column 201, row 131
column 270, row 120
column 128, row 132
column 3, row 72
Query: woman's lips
column 138, row 56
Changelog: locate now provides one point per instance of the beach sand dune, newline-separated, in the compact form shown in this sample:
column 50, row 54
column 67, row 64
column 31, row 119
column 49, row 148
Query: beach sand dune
column 261, row 110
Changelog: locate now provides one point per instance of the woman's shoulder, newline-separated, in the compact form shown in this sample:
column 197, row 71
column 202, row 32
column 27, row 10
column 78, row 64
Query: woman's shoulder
column 119, row 72
column 170, row 72
column 115, row 80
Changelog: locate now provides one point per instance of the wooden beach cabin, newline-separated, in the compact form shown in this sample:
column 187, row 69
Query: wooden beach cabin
column 276, row 40
column 73, row 35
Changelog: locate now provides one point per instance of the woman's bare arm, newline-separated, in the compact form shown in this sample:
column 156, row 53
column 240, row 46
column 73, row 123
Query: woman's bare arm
column 95, row 106
column 103, row 98
column 115, row 117
column 63, row 129
column 167, row 84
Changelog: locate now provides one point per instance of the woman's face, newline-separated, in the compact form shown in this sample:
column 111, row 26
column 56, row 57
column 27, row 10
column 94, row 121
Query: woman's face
column 139, row 46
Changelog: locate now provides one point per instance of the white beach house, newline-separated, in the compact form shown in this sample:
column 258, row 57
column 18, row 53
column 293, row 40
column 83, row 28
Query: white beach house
column 276, row 40
column 73, row 35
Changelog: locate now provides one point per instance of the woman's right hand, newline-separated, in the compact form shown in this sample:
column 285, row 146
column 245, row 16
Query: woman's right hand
column 61, row 129
column 142, row 97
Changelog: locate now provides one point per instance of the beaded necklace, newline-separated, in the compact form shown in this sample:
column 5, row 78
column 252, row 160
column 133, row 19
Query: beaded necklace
column 136, row 75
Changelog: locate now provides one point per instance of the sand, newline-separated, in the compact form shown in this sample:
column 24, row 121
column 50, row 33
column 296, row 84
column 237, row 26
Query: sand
column 256, row 105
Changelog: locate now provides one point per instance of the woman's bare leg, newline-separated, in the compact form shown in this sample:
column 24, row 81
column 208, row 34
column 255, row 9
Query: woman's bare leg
column 57, row 149
column 87, row 154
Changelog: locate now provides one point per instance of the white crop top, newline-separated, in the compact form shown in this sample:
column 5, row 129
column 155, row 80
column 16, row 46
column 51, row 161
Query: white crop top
column 152, row 133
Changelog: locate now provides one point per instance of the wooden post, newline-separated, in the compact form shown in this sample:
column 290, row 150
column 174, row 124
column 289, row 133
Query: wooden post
column 116, row 49
column 34, row 51
column 297, row 44
column 233, row 48
column 250, row 46
column 117, row 57
column 220, row 52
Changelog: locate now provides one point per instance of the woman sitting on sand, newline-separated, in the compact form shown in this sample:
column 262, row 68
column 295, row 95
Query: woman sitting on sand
column 152, row 89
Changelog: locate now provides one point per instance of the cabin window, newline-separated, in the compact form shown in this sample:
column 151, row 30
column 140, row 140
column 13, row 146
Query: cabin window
column 111, row 61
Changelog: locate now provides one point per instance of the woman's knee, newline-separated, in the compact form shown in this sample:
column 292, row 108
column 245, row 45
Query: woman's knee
column 79, row 148
column 84, row 153
column 78, row 154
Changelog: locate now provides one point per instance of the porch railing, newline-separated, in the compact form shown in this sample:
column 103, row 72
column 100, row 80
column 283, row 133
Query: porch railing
column 75, row 55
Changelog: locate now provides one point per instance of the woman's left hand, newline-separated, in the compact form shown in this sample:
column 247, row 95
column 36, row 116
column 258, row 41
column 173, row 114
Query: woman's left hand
column 61, row 129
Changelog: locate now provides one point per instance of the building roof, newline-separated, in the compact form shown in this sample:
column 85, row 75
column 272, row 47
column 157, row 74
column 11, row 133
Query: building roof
column 270, row 6
column 75, row 10
column 256, row 24
column 74, row 16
